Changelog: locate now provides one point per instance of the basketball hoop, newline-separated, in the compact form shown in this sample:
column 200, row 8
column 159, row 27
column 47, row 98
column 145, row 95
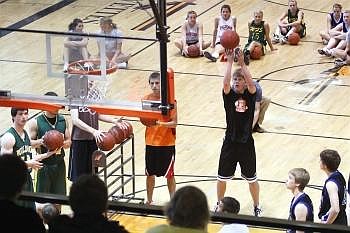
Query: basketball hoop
column 90, row 67
column 88, row 90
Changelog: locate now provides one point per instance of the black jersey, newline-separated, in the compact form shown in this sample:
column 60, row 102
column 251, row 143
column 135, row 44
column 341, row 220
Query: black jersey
column 302, row 199
column 339, row 180
column 239, row 110
column 335, row 22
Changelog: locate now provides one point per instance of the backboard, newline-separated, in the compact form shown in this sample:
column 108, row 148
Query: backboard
column 38, row 66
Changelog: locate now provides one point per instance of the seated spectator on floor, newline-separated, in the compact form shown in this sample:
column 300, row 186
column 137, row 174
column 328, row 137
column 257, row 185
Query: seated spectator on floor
column 14, row 218
column 232, row 206
column 337, row 42
column 187, row 212
column 191, row 34
column 291, row 21
column 88, row 199
column 333, row 19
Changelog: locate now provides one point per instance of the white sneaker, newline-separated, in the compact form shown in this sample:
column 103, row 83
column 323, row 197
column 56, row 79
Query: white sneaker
column 275, row 38
column 122, row 65
column 257, row 211
column 283, row 40
column 88, row 66
column 65, row 68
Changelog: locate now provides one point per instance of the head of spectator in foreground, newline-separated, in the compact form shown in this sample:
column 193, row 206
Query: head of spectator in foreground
column 88, row 195
column 49, row 212
column 188, row 208
column 229, row 205
column 13, row 175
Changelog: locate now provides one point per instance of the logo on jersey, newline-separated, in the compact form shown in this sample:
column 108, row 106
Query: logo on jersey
column 241, row 105
column 86, row 109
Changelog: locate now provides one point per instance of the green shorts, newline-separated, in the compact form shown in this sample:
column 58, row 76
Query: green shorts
column 51, row 178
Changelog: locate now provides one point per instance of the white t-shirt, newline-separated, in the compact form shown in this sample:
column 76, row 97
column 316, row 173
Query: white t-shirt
column 111, row 44
column 222, row 26
column 236, row 228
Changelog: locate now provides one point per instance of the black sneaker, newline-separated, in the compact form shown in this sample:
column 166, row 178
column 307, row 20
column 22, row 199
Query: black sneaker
column 257, row 211
column 258, row 129
column 209, row 56
column 246, row 58
column 321, row 51
column 235, row 55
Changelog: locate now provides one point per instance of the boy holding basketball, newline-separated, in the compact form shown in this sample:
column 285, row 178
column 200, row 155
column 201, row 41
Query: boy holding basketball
column 238, row 145
column 222, row 23
column 16, row 141
column 51, row 179
column 160, row 145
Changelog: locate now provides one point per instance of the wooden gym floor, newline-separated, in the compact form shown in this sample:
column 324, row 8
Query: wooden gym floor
column 309, row 110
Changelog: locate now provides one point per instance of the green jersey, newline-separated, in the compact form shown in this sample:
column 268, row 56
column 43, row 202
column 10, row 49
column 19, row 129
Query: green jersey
column 257, row 33
column 44, row 125
column 23, row 149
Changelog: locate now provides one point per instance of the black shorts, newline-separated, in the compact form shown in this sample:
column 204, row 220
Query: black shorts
column 233, row 153
column 80, row 158
column 160, row 161
column 191, row 43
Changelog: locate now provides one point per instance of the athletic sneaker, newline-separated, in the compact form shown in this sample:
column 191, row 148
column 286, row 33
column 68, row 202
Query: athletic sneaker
column 321, row 51
column 246, row 59
column 235, row 55
column 339, row 63
column 122, row 65
column 258, row 129
column 283, row 40
column 65, row 68
column 216, row 207
column 209, row 56
column 88, row 66
column 257, row 211
column 275, row 38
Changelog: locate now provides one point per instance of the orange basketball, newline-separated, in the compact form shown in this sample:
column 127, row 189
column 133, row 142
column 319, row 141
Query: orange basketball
column 193, row 51
column 117, row 133
column 53, row 140
column 229, row 39
column 148, row 122
column 256, row 53
column 129, row 127
column 293, row 38
column 107, row 142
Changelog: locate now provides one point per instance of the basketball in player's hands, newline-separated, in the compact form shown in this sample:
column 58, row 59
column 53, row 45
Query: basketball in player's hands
column 128, row 127
column 53, row 140
column 107, row 143
column 256, row 53
column 148, row 122
column 293, row 38
column 117, row 133
column 193, row 51
column 229, row 39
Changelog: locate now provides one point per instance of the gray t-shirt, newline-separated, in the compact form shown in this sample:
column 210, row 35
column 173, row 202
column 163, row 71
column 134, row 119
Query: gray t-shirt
column 258, row 92
column 90, row 118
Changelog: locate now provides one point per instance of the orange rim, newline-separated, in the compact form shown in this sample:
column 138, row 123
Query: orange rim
column 81, row 71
